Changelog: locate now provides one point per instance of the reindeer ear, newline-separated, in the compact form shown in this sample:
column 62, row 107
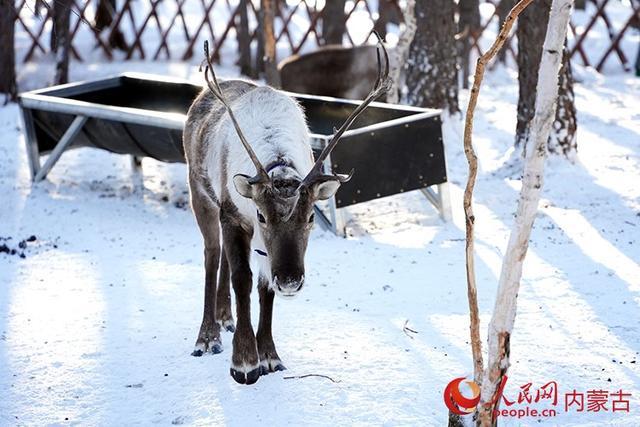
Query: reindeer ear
column 326, row 189
column 243, row 186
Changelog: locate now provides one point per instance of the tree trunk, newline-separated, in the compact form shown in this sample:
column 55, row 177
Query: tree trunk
column 388, row 12
column 562, row 140
column 333, row 22
column 259, row 65
column 530, row 38
column 469, row 29
column 7, row 54
column 104, row 18
column 244, row 41
column 401, row 53
column 270, row 65
column 61, row 40
column 503, row 9
column 501, row 325
column 531, row 32
column 431, row 69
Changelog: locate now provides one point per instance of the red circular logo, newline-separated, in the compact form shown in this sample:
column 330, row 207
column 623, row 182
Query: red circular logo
column 456, row 402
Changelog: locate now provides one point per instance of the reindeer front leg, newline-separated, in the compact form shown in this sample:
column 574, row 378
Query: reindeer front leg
column 269, row 359
column 245, row 364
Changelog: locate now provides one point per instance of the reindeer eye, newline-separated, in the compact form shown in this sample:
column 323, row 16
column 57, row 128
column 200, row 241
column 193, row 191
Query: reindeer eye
column 261, row 218
column 312, row 218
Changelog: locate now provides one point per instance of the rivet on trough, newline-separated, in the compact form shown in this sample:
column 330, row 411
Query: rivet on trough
column 430, row 154
column 377, row 194
column 358, row 191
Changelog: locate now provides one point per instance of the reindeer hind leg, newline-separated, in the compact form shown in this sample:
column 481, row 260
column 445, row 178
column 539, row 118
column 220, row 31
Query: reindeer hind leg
column 224, row 315
column 207, row 216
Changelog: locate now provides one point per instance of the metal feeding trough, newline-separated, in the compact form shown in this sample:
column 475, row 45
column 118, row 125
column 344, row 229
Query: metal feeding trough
column 392, row 148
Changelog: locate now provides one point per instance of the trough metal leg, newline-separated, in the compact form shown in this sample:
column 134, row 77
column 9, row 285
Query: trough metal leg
column 335, row 222
column 337, row 219
column 65, row 141
column 136, row 163
column 33, row 154
column 441, row 200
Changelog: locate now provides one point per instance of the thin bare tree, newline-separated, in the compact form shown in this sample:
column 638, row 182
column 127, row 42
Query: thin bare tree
column 472, row 292
column 504, row 313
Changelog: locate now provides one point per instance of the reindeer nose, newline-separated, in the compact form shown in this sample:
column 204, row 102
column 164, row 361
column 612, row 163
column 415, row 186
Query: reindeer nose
column 288, row 287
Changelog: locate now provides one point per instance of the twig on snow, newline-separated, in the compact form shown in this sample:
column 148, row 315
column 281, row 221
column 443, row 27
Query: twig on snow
column 407, row 329
column 311, row 375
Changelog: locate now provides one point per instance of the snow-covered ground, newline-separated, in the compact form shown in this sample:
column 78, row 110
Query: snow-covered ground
column 98, row 319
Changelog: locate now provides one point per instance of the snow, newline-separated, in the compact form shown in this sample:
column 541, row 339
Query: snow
column 98, row 328
column 98, row 320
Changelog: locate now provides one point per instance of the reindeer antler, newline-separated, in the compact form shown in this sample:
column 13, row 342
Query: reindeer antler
column 382, row 85
column 214, row 87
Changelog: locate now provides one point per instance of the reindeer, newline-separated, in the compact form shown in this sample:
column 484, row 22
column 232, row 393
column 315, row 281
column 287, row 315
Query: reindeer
column 267, row 215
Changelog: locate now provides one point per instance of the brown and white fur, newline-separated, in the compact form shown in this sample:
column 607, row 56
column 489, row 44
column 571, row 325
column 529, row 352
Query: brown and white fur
column 224, row 201
column 268, row 216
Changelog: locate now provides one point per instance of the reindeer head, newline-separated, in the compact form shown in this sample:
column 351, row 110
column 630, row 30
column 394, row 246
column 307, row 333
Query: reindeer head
column 284, row 202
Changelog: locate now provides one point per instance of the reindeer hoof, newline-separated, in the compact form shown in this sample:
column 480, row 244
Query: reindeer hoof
column 202, row 347
column 227, row 325
column 247, row 378
column 271, row 365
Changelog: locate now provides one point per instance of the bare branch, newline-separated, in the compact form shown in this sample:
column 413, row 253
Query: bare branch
column 407, row 329
column 472, row 292
column 311, row 375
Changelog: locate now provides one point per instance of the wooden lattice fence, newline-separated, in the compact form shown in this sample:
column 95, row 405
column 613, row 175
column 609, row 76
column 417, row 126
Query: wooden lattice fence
column 172, row 29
